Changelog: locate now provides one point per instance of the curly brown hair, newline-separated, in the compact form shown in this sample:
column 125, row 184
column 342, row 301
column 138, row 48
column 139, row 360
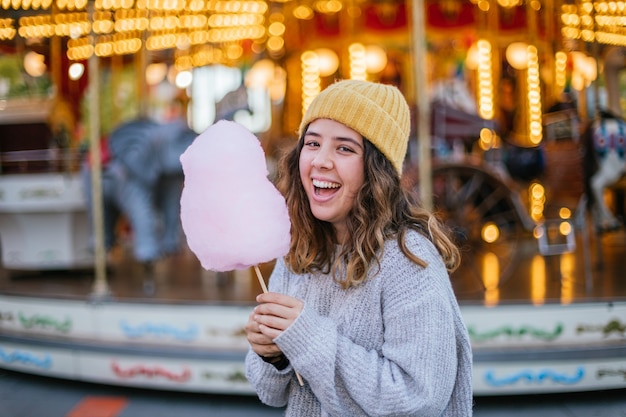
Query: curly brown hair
column 383, row 210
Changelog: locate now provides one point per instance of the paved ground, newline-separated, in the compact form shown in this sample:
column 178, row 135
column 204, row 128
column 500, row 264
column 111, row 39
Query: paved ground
column 24, row 395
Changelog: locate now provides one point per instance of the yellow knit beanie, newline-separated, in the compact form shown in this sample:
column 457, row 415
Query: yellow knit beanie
column 379, row 112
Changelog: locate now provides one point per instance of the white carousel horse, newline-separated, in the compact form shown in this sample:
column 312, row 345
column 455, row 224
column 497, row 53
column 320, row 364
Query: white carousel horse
column 454, row 93
column 605, row 165
column 231, row 103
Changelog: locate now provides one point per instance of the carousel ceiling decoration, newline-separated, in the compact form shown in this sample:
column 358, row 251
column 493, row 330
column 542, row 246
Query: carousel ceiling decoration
column 595, row 21
column 205, row 31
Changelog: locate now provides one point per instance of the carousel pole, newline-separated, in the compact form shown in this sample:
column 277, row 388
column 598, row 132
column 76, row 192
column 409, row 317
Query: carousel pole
column 141, row 63
column 55, row 56
column 100, row 289
column 423, row 104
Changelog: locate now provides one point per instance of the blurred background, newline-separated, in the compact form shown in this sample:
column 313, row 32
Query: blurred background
column 517, row 143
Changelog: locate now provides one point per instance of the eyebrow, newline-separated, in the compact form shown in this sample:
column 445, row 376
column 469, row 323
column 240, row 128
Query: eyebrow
column 337, row 138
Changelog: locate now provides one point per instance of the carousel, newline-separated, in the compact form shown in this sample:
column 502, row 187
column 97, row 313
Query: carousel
column 518, row 144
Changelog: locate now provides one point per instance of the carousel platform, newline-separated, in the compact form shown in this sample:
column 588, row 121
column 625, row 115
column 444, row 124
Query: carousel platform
column 554, row 323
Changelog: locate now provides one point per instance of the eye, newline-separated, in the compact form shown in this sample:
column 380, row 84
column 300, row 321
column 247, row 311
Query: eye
column 344, row 148
column 311, row 143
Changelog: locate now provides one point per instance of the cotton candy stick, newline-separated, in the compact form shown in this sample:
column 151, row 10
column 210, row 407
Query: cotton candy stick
column 231, row 213
column 260, row 278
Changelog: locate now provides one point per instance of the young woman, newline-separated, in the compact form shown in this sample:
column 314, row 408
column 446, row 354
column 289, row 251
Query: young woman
column 361, row 307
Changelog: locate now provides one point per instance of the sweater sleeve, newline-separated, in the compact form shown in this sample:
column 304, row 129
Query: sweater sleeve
column 412, row 374
column 270, row 384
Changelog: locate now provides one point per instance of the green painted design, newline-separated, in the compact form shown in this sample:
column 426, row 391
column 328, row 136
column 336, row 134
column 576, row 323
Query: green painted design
column 511, row 332
column 236, row 377
column 38, row 320
column 612, row 326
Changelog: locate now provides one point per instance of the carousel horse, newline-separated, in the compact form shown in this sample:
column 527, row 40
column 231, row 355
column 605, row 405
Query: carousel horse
column 454, row 118
column 605, row 163
column 142, row 179
column 454, row 93
column 231, row 103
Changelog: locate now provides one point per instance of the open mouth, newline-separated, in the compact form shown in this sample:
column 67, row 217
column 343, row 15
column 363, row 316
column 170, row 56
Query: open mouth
column 323, row 188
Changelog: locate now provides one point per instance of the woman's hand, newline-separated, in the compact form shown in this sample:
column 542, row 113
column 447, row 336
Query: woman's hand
column 275, row 313
column 261, row 344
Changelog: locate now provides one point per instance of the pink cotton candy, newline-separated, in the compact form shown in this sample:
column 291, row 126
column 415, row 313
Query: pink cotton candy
column 231, row 213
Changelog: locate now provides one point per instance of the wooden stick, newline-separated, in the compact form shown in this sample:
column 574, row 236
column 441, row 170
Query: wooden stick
column 260, row 278
column 264, row 287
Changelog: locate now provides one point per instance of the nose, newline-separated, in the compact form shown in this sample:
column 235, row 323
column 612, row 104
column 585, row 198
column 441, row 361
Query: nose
column 323, row 159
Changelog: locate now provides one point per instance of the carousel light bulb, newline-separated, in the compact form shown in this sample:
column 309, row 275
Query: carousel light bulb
column 375, row 59
column 155, row 73
column 260, row 74
column 34, row 64
column 517, row 55
column 184, row 79
column 471, row 59
column 328, row 61
column 76, row 70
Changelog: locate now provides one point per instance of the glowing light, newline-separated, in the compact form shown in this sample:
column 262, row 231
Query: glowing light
column 535, row 112
column 328, row 61
column 471, row 59
column 260, row 74
column 491, row 279
column 311, row 83
column 303, row 12
column 375, row 59
column 34, row 64
column 155, row 73
column 517, row 55
column 538, row 280
column 358, row 61
column 184, row 79
column 485, row 80
column 487, row 139
column 76, row 70
column 565, row 228
column 490, row 232
column 537, row 199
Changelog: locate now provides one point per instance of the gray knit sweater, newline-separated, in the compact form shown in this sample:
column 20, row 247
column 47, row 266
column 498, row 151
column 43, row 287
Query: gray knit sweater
column 395, row 345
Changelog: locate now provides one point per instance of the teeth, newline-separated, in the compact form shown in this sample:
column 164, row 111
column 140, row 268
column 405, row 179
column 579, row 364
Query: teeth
column 325, row 184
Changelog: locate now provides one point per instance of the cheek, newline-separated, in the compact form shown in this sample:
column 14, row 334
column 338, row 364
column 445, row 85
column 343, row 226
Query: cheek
column 358, row 177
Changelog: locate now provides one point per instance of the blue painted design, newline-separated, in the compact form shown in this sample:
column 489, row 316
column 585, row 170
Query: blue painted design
column 159, row 330
column 26, row 358
column 535, row 378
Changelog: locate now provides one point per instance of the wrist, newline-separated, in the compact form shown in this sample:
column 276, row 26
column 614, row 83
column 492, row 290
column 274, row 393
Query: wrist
column 280, row 362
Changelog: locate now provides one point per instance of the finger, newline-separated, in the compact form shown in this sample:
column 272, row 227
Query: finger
column 266, row 350
column 279, row 310
column 252, row 327
column 259, row 339
column 276, row 310
column 278, row 298
column 270, row 332
column 262, row 344
column 272, row 321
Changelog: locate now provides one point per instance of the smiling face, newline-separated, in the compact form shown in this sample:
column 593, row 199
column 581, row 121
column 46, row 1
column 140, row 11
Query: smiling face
column 332, row 171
